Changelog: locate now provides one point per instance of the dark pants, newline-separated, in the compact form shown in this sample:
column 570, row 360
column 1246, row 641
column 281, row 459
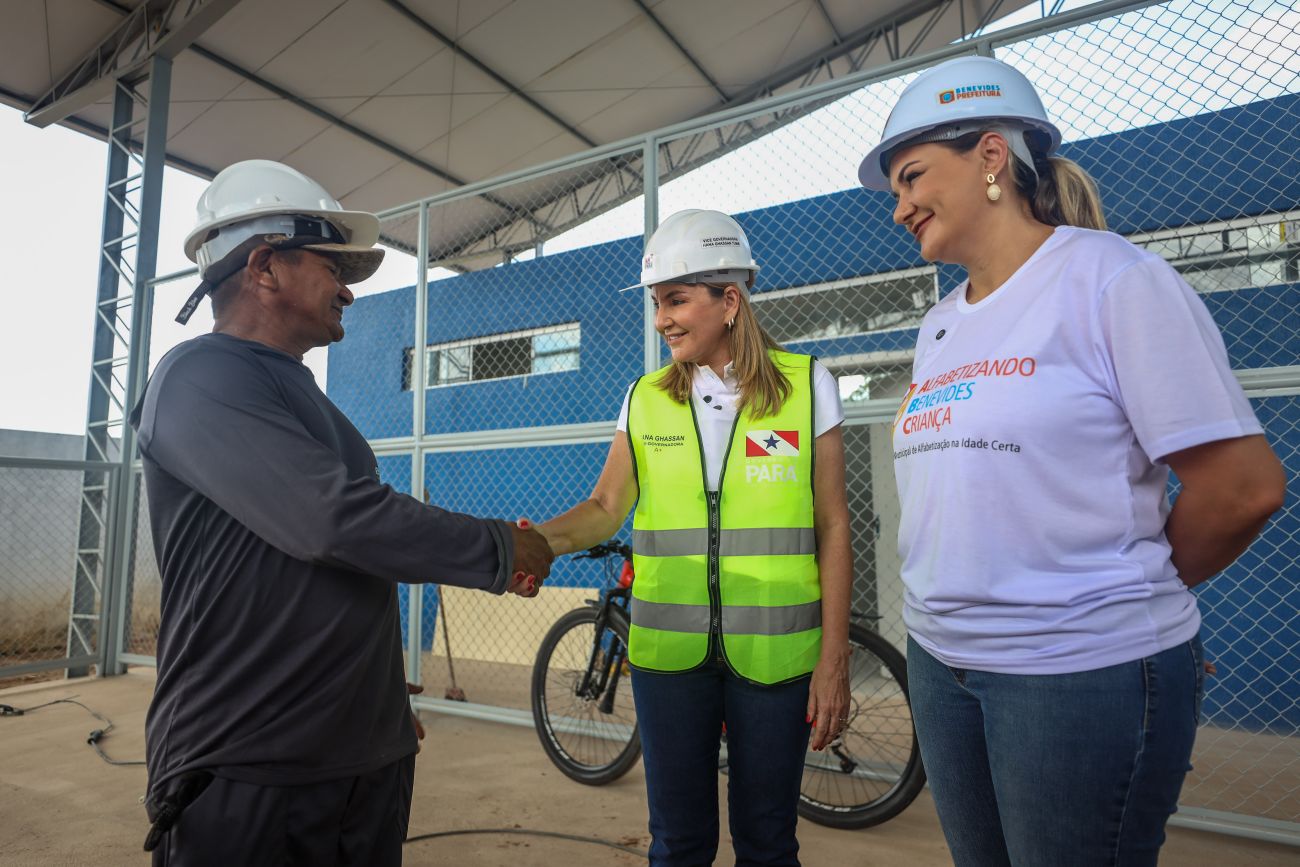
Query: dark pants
column 351, row 821
column 681, row 717
column 1067, row 770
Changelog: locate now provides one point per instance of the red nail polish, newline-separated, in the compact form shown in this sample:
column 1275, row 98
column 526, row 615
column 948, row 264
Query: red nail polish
column 808, row 718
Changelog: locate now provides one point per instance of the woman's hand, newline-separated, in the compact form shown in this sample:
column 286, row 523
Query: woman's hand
column 828, row 697
column 522, row 583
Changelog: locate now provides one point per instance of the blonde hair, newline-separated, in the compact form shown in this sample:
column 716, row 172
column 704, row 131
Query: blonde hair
column 1063, row 194
column 1058, row 190
column 763, row 387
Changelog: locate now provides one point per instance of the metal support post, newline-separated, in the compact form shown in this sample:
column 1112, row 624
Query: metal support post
column 419, row 361
column 118, row 602
column 97, row 487
column 128, row 259
column 650, row 174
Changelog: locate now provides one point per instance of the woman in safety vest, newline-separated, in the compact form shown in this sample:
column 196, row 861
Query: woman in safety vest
column 1053, row 656
column 734, row 458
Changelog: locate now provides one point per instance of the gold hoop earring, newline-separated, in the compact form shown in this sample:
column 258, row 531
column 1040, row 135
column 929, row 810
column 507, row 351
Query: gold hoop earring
column 994, row 192
column 731, row 322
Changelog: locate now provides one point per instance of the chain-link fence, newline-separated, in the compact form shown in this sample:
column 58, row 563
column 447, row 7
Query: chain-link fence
column 1185, row 113
column 49, row 608
column 495, row 391
column 1247, row 758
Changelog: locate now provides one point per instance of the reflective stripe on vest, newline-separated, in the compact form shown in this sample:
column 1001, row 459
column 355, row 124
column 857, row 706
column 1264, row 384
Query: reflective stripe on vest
column 757, row 588
column 736, row 619
column 755, row 542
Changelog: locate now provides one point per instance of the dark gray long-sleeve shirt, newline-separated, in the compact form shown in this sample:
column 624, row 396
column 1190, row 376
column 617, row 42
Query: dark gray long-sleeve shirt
column 279, row 651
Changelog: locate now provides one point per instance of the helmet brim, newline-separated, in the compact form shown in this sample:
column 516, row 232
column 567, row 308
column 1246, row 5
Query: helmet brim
column 356, row 263
column 752, row 269
column 362, row 227
column 873, row 171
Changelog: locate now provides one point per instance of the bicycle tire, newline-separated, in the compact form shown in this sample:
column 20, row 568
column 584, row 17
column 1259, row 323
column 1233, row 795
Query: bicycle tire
column 589, row 746
column 877, row 771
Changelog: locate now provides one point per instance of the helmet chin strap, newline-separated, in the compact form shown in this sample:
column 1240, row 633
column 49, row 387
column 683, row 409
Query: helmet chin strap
column 225, row 252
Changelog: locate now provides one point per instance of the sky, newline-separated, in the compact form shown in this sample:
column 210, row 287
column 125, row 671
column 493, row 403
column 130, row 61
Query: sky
column 51, row 183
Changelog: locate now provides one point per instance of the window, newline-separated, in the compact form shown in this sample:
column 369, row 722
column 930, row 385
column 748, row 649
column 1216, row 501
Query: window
column 1237, row 254
column 871, row 375
column 858, row 305
column 552, row 349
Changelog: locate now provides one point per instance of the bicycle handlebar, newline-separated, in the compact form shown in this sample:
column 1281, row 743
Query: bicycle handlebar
column 605, row 549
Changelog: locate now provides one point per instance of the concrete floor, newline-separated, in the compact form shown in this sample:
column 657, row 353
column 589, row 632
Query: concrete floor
column 61, row 805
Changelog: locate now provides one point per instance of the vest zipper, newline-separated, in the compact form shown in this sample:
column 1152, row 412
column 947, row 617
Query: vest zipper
column 714, row 500
column 715, row 590
column 715, row 541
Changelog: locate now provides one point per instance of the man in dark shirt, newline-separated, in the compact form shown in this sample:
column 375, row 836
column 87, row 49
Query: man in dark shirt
column 280, row 730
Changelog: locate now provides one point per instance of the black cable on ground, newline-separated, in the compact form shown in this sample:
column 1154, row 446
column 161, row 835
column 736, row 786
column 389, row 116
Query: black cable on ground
column 93, row 738
column 99, row 734
column 577, row 838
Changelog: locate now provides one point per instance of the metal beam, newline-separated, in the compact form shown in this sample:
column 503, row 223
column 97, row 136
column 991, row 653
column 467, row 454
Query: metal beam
column 332, row 119
column 987, row 17
column 645, row 10
column 885, row 26
column 99, row 489
column 935, row 17
column 328, row 117
column 22, row 101
column 562, row 218
column 119, row 590
column 826, row 16
column 155, row 28
column 415, row 19
column 368, row 137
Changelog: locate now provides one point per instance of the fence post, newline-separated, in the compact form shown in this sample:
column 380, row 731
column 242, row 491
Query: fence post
column 650, row 175
column 419, row 360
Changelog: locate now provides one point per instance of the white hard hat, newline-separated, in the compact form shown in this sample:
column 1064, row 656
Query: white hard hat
column 960, row 96
column 262, row 201
column 695, row 246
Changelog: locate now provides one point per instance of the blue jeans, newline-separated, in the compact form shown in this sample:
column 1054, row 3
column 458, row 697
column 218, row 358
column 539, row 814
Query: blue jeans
column 681, row 717
column 1066, row 769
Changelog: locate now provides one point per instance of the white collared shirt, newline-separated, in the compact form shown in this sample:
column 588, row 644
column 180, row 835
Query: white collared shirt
column 714, row 399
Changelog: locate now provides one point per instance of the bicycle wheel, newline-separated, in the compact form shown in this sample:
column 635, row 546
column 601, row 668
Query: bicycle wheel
column 582, row 699
column 873, row 769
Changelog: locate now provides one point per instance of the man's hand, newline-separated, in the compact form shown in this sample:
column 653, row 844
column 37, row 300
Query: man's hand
column 416, row 689
column 533, row 558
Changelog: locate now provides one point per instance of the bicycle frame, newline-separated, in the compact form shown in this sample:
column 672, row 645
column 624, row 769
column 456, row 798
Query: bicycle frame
column 603, row 667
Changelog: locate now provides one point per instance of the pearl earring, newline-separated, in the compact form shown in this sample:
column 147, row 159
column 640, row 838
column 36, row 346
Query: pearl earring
column 994, row 192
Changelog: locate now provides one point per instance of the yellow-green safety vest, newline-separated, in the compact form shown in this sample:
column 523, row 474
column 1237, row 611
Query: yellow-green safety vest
column 740, row 563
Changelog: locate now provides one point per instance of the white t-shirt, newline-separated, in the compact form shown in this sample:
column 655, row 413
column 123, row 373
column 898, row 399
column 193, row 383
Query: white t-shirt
column 1027, row 454
column 715, row 408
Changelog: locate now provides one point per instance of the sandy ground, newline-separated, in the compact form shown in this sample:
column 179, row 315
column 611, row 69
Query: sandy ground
column 61, row 805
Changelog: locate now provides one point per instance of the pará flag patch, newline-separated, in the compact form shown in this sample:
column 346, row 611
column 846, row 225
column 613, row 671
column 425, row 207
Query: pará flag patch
column 771, row 443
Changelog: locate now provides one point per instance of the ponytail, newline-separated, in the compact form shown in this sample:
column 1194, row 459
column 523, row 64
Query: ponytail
column 1063, row 194
column 1060, row 194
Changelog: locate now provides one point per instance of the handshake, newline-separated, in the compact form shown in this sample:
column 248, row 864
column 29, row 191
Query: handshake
column 533, row 556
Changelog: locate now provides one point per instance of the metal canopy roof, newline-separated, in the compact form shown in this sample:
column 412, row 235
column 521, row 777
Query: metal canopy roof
column 388, row 101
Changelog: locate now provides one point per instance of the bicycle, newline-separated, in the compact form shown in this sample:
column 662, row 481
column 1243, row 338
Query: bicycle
column 586, row 721
column 582, row 710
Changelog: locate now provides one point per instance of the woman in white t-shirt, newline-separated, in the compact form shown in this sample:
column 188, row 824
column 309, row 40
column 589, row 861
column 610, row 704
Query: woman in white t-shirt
column 734, row 459
column 1053, row 657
